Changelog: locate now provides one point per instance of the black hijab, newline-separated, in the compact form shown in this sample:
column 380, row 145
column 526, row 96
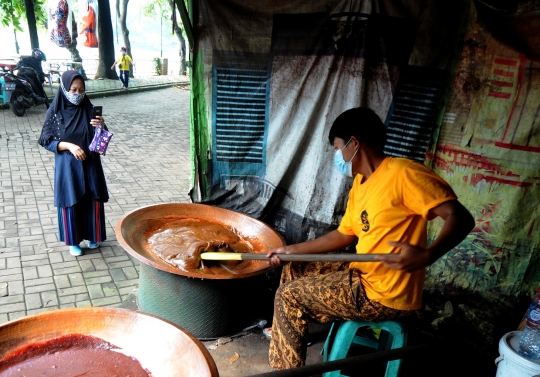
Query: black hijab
column 73, row 120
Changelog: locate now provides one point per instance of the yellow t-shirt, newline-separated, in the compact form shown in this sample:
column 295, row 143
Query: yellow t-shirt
column 393, row 205
column 123, row 61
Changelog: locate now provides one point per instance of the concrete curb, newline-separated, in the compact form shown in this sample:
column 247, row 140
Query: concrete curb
column 135, row 89
column 117, row 92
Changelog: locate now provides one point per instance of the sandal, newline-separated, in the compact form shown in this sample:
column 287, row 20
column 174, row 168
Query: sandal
column 267, row 332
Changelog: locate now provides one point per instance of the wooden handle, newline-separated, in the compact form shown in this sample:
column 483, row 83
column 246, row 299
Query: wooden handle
column 295, row 257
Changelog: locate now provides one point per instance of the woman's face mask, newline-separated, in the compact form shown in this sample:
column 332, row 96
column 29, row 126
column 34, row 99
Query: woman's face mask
column 123, row 52
column 343, row 166
column 75, row 98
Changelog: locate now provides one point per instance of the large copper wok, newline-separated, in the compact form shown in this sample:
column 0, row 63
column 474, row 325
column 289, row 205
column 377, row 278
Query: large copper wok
column 134, row 228
column 206, row 305
column 160, row 346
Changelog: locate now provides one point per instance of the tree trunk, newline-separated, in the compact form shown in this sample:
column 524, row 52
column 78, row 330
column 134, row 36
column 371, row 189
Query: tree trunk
column 31, row 18
column 72, row 47
column 106, row 43
column 178, row 31
column 125, row 32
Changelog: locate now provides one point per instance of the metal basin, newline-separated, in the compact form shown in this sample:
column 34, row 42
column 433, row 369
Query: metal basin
column 208, row 306
column 160, row 346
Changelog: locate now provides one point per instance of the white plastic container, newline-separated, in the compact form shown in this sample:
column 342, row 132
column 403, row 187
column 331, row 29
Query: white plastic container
column 512, row 364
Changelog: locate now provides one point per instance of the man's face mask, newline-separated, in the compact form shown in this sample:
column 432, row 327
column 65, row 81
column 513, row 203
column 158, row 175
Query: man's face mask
column 123, row 52
column 343, row 166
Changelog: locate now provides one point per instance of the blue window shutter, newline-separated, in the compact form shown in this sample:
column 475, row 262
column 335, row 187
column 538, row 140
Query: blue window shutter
column 240, row 106
column 240, row 114
column 413, row 113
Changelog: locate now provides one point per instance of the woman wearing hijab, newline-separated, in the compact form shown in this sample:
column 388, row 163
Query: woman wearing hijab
column 80, row 190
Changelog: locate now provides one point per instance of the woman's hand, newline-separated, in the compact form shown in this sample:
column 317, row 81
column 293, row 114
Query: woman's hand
column 98, row 121
column 75, row 150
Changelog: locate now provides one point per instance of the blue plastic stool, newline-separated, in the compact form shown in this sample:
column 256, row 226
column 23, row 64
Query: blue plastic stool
column 343, row 335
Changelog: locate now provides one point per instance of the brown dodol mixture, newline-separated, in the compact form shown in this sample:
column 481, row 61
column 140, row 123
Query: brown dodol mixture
column 182, row 241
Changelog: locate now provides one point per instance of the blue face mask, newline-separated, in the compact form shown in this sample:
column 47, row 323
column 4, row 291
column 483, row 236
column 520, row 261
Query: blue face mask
column 343, row 166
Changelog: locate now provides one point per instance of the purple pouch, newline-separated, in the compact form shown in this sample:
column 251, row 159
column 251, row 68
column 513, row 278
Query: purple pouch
column 101, row 140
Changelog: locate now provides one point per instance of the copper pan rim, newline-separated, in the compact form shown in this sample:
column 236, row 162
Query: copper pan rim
column 132, row 221
column 157, row 343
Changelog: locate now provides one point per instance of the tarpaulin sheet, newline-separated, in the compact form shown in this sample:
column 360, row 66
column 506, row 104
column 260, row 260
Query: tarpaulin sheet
column 489, row 150
column 270, row 78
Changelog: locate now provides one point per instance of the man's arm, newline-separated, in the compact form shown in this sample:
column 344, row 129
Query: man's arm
column 329, row 242
column 458, row 223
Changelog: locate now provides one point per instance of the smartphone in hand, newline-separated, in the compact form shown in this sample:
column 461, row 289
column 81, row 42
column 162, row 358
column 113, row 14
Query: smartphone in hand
column 97, row 111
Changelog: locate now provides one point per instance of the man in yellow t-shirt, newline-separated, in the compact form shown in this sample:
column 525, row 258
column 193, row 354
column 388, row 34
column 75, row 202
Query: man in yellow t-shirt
column 124, row 61
column 389, row 205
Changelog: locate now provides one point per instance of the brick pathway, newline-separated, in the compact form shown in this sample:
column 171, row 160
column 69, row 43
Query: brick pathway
column 147, row 162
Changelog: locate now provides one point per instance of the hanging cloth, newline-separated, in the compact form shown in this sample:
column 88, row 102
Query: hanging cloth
column 88, row 24
column 59, row 22
column 87, row 27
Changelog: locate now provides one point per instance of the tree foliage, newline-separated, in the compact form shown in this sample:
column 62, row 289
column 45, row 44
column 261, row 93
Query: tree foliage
column 12, row 12
column 154, row 9
column 164, row 9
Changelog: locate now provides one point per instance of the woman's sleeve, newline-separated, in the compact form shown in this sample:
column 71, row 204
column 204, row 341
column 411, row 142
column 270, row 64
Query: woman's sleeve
column 48, row 131
column 52, row 146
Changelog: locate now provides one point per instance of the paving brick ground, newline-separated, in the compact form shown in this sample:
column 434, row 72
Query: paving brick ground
column 147, row 162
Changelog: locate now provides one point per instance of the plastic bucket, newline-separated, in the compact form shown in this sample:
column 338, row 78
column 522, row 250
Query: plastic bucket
column 512, row 364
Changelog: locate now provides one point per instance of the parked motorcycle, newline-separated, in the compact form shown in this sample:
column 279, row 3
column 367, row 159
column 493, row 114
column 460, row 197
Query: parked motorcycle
column 25, row 89
column 20, row 95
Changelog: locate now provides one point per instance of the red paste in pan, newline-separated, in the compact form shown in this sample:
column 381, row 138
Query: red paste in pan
column 71, row 356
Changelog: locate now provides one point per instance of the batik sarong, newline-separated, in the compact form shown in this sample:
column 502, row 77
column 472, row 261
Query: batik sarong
column 317, row 292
